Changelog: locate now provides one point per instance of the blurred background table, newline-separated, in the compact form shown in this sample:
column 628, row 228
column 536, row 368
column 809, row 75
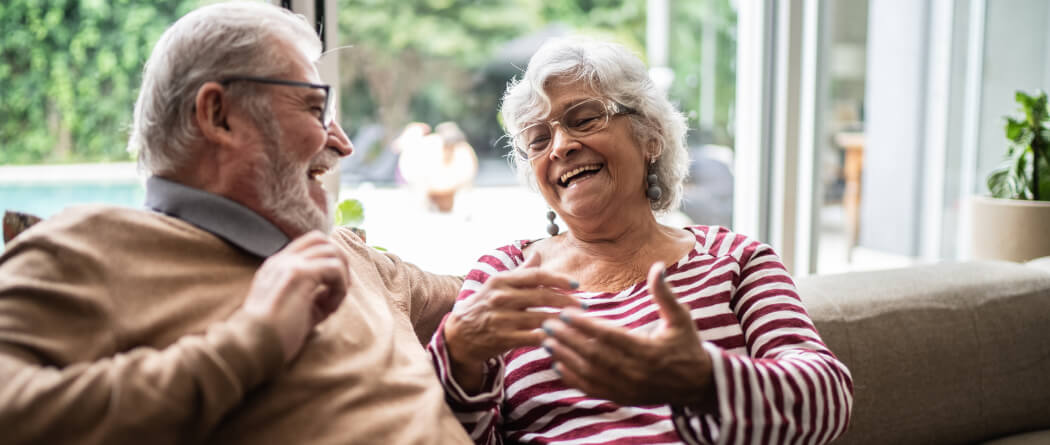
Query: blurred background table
column 853, row 167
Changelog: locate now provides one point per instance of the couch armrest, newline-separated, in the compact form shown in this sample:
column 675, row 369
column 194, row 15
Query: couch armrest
column 944, row 353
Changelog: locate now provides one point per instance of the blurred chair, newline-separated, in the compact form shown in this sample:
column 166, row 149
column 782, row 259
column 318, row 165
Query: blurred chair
column 708, row 195
column 17, row 222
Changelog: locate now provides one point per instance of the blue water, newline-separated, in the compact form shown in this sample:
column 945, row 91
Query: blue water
column 44, row 200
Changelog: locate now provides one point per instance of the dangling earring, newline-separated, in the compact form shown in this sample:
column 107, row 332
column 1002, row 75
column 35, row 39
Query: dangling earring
column 551, row 227
column 654, row 192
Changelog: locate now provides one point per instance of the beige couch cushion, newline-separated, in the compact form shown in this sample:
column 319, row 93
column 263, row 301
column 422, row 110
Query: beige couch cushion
column 947, row 353
column 1032, row 438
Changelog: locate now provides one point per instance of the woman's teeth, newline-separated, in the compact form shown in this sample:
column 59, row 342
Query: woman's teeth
column 565, row 177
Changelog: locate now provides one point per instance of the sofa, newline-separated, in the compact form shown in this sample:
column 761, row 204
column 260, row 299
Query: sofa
column 953, row 353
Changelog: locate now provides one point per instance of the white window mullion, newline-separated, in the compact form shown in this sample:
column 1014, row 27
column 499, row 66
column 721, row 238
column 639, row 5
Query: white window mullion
column 793, row 192
column 812, row 90
column 327, row 67
column 778, row 89
column 753, row 118
column 971, row 122
column 785, row 132
column 935, row 146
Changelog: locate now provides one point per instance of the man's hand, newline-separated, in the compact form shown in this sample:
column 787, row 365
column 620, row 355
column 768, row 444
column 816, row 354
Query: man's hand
column 299, row 287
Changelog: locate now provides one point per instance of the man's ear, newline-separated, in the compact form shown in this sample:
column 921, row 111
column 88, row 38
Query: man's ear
column 212, row 114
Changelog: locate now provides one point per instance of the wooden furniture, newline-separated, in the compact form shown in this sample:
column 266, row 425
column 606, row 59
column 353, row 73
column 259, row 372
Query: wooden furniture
column 17, row 222
column 853, row 144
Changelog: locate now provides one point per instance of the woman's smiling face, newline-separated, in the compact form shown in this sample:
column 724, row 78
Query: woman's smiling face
column 596, row 175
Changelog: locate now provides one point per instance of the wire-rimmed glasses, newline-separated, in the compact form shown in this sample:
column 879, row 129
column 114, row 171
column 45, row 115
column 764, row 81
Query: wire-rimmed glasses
column 327, row 112
column 585, row 118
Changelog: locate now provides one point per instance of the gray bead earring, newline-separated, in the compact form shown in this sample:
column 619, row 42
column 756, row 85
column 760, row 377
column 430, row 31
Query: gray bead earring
column 654, row 192
column 551, row 227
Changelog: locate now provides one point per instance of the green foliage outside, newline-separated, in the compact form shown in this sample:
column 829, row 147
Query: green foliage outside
column 349, row 212
column 71, row 68
column 436, row 60
column 70, row 72
column 687, row 56
column 1025, row 174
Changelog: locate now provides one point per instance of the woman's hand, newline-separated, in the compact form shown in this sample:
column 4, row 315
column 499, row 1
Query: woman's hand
column 667, row 365
column 499, row 317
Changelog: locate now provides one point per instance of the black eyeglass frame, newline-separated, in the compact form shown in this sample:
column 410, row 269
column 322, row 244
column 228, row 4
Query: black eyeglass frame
column 612, row 109
column 327, row 112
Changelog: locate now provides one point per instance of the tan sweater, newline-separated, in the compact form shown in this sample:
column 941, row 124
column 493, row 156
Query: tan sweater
column 119, row 326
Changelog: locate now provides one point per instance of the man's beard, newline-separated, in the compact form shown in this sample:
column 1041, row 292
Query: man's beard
column 284, row 191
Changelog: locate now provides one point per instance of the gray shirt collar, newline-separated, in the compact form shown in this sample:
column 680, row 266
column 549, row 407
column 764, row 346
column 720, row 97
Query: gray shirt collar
column 224, row 218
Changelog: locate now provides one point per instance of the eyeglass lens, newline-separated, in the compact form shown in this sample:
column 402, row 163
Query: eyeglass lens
column 329, row 109
column 579, row 120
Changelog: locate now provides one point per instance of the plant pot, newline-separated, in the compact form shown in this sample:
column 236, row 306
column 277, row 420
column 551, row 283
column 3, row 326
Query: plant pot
column 1010, row 229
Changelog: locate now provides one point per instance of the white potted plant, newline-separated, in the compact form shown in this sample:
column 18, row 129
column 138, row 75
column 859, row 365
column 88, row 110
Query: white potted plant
column 1014, row 222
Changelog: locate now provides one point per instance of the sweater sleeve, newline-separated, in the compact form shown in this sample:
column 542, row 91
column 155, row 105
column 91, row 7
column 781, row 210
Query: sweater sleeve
column 789, row 388
column 480, row 414
column 424, row 296
column 64, row 380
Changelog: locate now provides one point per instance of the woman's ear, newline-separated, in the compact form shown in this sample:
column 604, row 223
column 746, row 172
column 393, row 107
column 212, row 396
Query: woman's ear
column 653, row 150
column 212, row 114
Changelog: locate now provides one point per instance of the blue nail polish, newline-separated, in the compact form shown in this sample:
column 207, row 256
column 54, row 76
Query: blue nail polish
column 564, row 317
column 584, row 305
column 574, row 285
column 553, row 368
column 547, row 348
column 547, row 328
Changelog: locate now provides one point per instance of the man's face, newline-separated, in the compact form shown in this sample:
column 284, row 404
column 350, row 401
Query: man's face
column 298, row 150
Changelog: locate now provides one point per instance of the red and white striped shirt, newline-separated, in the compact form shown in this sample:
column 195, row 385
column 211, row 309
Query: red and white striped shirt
column 776, row 380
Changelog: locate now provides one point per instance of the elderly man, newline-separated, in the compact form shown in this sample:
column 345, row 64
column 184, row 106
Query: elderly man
column 198, row 320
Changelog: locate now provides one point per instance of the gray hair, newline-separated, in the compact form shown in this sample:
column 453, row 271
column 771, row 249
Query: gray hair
column 613, row 72
column 206, row 45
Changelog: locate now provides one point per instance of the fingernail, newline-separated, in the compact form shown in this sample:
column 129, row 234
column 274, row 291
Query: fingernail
column 663, row 274
column 574, row 285
column 547, row 347
column 564, row 317
column 546, row 326
column 554, row 368
column 584, row 305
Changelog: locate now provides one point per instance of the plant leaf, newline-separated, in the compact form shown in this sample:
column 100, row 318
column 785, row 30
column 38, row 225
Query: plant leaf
column 1043, row 174
column 1020, row 175
column 999, row 182
column 1014, row 129
column 1039, row 110
column 1027, row 103
column 1021, row 97
column 350, row 212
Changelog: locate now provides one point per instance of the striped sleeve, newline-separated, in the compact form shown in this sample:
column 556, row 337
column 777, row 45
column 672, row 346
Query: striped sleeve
column 478, row 413
column 789, row 387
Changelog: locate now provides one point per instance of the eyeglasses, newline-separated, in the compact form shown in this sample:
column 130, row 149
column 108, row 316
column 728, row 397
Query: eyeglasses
column 327, row 115
column 583, row 119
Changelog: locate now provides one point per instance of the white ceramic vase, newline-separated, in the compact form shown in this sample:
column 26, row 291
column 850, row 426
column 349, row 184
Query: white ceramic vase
column 1010, row 229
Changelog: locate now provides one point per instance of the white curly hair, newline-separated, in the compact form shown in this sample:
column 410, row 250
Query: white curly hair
column 613, row 72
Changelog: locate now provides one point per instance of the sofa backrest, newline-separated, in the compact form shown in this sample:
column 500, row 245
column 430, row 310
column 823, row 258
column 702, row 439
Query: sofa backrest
column 945, row 353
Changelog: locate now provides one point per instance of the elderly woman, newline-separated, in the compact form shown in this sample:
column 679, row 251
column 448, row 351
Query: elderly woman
column 620, row 329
